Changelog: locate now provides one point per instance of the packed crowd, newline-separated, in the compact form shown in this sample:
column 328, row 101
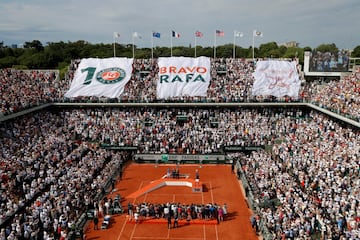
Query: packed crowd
column 26, row 88
column 159, row 131
column 231, row 81
column 51, row 161
column 309, row 182
column 46, row 178
column 342, row 96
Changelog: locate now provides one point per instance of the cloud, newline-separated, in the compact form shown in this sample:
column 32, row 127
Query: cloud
column 308, row 22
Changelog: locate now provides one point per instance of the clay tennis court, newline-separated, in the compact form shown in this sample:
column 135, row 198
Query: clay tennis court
column 219, row 186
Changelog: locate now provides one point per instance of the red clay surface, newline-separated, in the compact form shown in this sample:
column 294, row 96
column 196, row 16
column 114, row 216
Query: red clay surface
column 220, row 186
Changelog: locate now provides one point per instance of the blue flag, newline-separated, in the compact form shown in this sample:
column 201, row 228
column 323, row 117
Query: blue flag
column 156, row 34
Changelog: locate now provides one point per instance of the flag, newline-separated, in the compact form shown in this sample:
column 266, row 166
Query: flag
column 156, row 34
column 101, row 77
column 183, row 76
column 257, row 33
column 219, row 33
column 276, row 78
column 238, row 34
column 137, row 35
column 175, row 34
column 199, row 34
column 116, row 35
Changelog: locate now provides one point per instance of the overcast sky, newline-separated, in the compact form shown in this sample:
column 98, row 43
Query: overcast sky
column 308, row 22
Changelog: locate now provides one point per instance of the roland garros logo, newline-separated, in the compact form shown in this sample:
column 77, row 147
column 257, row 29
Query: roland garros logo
column 110, row 75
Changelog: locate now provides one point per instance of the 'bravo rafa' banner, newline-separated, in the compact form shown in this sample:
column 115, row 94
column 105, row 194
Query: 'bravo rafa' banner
column 183, row 76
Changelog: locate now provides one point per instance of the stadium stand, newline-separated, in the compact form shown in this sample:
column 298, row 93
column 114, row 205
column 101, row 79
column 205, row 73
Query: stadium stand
column 232, row 84
column 58, row 163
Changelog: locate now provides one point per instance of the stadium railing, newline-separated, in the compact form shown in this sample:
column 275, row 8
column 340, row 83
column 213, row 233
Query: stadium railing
column 265, row 233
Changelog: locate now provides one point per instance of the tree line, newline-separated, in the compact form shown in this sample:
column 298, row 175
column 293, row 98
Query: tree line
column 57, row 55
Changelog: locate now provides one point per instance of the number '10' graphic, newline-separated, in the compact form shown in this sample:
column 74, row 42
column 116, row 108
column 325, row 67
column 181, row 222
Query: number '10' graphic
column 105, row 76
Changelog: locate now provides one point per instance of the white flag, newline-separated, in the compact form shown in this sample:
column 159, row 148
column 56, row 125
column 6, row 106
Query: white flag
column 137, row 35
column 238, row 34
column 257, row 33
column 116, row 35
column 276, row 78
column 101, row 77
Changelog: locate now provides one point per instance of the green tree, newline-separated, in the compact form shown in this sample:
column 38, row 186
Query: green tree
column 207, row 51
column 99, row 51
column 356, row 52
column 293, row 52
column 268, row 49
column 35, row 61
column 35, row 44
column 177, row 52
column 307, row 49
column 241, row 52
column 143, row 53
column 224, row 51
column 8, row 61
column 59, row 54
column 54, row 53
column 327, row 48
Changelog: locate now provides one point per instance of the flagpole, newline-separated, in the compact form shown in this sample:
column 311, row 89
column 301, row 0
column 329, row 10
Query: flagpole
column 215, row 45
column 133, row 43
column 195, row 46
column 171, row 37
column 234, row 47
column 114, row 45
column 152, row 45
column 253, row 44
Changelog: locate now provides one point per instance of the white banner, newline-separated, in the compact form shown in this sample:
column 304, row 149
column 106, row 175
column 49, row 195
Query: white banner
column 101, row 77
column 183, row 76
column 276, row 78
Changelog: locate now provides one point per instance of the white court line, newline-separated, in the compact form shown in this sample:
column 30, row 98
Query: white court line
column 204, row 231
column 202, row 197
column 211, row 193
column 141, row 184
column 167, row 194
column 168, row 234
column 212, row 200
column 122, row 229
column 146, row 194
column 216, row 232
column 124, row 224
column 202, row 200
column 133, row 231
column 172, row 238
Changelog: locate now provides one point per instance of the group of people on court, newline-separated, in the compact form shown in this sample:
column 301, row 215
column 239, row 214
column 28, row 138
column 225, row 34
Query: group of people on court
column 173, row 212
column 173, row 173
